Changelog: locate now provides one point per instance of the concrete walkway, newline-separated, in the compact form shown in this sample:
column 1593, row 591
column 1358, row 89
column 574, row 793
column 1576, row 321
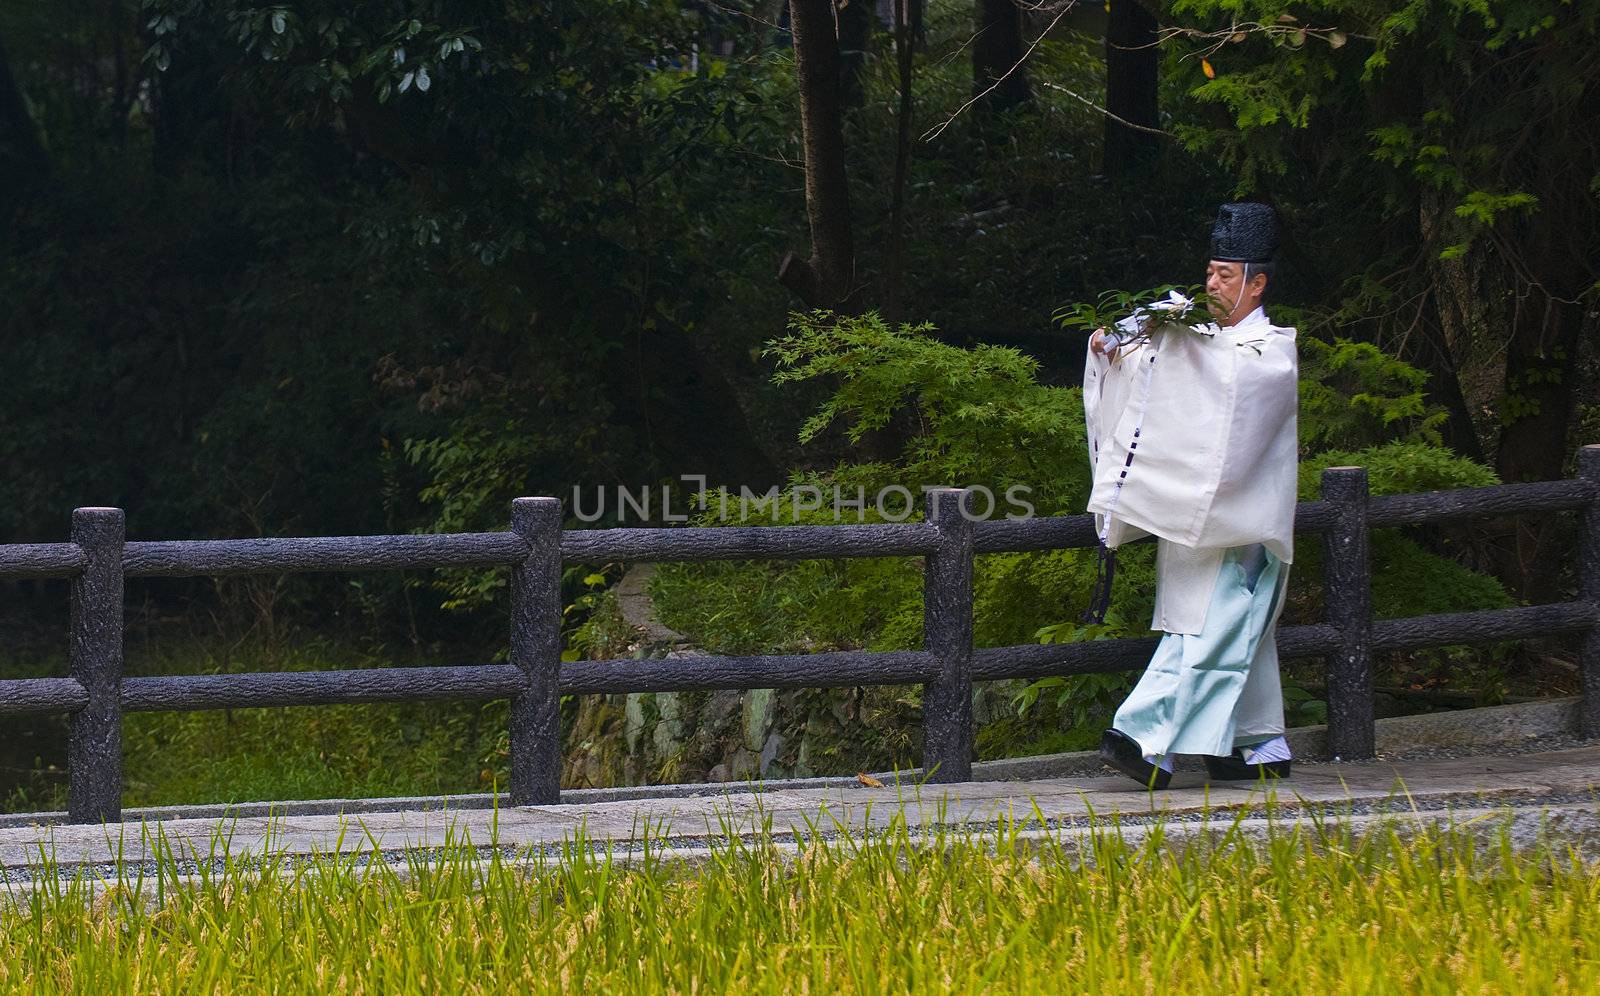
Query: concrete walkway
column 1564, row 781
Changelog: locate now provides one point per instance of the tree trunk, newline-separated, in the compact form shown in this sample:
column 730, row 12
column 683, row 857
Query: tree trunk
column 856, row 18
column 824, row 280
column 1430, row 350
column 1429, row 346
column 907, row 29
column 23, row 160
column 997, row 57
column 1132, row 63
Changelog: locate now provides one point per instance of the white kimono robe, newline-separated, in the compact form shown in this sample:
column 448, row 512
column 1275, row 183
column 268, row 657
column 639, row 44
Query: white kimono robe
column 1210, row 423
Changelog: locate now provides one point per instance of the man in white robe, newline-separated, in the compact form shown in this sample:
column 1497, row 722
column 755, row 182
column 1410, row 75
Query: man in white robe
column 1192, row 436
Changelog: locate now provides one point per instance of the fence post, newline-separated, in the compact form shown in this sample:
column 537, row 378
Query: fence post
column 94, row 654
column 536, row 649
column 1347, row 591
column 1589, row 591
column 947, row 634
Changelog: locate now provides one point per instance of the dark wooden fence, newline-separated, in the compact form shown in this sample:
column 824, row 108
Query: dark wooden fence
column 97, row 559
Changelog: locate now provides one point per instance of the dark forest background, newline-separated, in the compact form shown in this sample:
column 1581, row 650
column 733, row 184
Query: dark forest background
column 321, row 268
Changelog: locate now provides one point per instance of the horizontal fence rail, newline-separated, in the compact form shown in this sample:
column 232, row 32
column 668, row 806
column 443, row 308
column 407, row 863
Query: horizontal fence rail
column 23, row 561
column 98, row 560
column 221, row 558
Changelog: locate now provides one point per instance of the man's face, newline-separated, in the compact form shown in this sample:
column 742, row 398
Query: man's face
column 1231, row 297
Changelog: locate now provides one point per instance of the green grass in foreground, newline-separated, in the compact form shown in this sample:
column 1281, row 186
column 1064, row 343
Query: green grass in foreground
column 1307, row 911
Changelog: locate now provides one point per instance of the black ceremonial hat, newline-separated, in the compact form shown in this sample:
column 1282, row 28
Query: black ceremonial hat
column 1245, row 232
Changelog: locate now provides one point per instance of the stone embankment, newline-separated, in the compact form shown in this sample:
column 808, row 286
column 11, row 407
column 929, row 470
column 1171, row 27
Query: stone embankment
column 731, row 736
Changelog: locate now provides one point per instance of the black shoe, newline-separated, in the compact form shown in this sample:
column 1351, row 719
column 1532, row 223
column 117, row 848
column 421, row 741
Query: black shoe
column 1234, row 768
column 1122, row 752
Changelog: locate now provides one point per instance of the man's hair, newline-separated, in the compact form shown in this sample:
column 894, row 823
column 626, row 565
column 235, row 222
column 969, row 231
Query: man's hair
column 1251, row 269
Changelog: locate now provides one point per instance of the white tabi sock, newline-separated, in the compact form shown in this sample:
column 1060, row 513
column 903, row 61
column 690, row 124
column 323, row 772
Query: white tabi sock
column 1165, row 764
column 1276, row 749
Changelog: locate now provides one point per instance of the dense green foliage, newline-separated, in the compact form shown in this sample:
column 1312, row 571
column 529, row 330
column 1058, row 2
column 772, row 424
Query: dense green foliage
column 1315, row 908
column 1437, row 163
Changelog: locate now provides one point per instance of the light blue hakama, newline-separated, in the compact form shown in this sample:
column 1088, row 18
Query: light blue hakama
column 1209, row 692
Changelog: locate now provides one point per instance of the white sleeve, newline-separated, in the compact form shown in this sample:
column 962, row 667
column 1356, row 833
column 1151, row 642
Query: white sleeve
column 1095, row 368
